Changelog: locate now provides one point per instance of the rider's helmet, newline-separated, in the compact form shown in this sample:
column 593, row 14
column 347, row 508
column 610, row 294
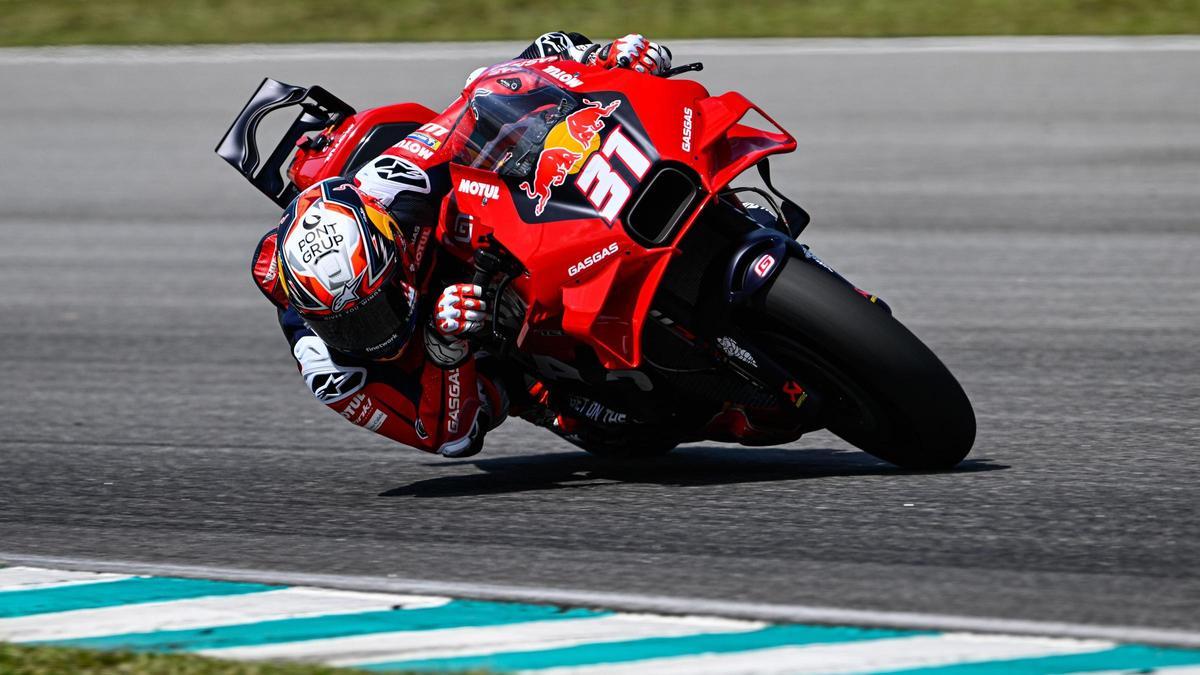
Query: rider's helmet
column 344, row 268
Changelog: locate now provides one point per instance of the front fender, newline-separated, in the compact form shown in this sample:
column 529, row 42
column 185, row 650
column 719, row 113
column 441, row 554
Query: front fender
column 756, row 262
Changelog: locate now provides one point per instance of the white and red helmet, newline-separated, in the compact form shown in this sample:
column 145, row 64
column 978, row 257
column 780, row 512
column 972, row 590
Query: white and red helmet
column 343, row 265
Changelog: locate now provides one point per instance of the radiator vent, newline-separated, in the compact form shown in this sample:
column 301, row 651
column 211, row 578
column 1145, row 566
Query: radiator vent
column 665, row 204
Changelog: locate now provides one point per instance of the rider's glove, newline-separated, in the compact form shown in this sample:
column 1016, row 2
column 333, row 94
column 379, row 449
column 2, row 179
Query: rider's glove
column 635, row 52
column 460, row 310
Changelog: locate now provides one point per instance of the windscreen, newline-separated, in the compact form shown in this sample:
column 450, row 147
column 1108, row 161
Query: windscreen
column 506, row 132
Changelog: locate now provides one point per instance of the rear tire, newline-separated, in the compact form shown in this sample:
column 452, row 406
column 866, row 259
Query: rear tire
column 884, row 391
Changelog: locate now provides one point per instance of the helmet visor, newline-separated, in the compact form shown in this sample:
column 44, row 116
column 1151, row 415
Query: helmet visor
column 375, row 328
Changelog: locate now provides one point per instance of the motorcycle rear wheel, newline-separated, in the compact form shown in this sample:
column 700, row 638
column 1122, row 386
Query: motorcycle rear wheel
column 883, row 390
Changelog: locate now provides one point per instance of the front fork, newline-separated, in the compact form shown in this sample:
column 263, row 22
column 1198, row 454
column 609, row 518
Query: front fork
column 755, row 264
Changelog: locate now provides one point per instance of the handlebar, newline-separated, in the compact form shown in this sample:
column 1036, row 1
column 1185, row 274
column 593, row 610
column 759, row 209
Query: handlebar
column 685, row 68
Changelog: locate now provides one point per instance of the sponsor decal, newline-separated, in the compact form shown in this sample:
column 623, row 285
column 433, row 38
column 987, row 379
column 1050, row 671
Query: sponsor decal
column 686, row 144
column 763, row 265
column 563, row 76
column 358, row 409
column 453, row 401
column 414, row 148
column 568, row 144
column 585, row 124
column 595, row 411
column 479, row 189
column 510, row 83
column 376, row 420
column 813, row 257
column 732, row 348
column 433, row 129
column 424, row 139
column 795, row 392
column 405, row 174
column 419, row 249
column 419, row 428
column 461, row 232
column 533, row 62
column 592, row 259
column 514, row 66
column 316, row 238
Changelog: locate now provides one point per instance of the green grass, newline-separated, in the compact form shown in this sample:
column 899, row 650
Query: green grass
column 26, row 22
column 25, row 660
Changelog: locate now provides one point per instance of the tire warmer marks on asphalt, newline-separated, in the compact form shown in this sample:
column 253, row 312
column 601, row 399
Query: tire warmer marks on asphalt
column 384, row 631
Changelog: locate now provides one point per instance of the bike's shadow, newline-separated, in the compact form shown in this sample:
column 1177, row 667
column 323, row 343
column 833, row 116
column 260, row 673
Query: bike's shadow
column 692, row 466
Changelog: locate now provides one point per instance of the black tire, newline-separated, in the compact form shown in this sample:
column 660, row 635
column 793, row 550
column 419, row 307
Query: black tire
column 884, row 391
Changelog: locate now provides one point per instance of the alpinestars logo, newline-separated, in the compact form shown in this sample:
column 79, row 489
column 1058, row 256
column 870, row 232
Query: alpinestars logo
column 553, row 44
column 346, row 295
column 402, row 171
column 478, row 189
column 330, row 387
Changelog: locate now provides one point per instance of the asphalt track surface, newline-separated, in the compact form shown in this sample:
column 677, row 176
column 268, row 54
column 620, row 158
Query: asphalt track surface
column 1031, row 213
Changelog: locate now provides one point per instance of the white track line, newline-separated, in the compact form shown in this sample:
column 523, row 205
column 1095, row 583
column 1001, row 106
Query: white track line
column 1158, row 670
column 850, row 657
column 490, row 51
column 34, row 578
column 468, row 641
column 637, row 603
column 288, row 603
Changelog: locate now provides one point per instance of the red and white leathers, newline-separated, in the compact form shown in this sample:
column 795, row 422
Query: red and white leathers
column 431, row 395
column 439, row 406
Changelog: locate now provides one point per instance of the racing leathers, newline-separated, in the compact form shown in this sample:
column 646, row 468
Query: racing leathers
column 432, row 395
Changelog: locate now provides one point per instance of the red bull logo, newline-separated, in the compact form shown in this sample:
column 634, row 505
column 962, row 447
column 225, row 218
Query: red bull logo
column 584, row 124
column 568, row 144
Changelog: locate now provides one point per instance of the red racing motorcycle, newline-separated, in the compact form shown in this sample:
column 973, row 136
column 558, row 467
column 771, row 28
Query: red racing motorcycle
column 632, row 283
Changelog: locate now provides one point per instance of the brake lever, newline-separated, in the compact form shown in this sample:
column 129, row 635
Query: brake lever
column 679, row 70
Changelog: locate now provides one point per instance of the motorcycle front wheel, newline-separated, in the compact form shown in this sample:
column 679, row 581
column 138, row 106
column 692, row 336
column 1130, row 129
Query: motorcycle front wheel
column 882, row 389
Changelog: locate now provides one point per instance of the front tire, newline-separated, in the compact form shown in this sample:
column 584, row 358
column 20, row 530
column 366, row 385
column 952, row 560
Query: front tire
column 883, row 390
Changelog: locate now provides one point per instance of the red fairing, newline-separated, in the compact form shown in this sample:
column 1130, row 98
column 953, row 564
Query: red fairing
column 325, row 157
column 593, row 282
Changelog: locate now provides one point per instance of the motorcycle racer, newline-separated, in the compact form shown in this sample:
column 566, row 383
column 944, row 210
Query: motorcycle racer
column 351, row 273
